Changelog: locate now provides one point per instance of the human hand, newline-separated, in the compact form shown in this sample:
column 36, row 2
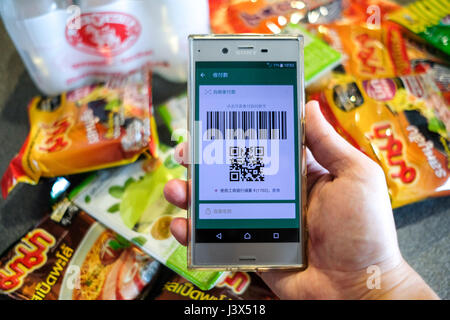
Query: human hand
column 349, row 221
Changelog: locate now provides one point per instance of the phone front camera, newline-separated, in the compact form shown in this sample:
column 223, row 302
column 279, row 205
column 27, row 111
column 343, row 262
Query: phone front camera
column 225, row 50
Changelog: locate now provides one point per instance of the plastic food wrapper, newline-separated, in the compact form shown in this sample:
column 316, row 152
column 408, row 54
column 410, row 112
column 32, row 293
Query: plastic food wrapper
column 370, row 11
column 403, row 123
column 419, row 51
column 368, row 52
column 235, row 286
column 269, row 16
column 130, row 201
column 174, row 115
column 93, row 127
column 66, row 46
column 75, row 259
column 427, row 20
column 439, row 72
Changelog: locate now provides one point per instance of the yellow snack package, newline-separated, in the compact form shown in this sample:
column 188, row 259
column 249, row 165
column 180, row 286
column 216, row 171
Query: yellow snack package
column 90, row 128
column 403, row 123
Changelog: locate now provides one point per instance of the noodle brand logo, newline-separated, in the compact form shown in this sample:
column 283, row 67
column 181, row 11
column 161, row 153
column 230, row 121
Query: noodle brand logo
column 368, row 54
column 54, row 136
column 394, row 152
column 30, row 254
column 103, row 33
column 236, row 281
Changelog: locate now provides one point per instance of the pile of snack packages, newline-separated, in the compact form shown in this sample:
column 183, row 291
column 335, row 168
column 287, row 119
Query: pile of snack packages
column 380, row 72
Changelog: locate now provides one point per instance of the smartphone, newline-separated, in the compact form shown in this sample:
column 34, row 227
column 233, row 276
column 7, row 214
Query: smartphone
column 246, row 151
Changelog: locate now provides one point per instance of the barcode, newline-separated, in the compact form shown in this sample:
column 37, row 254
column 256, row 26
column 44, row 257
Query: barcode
column 246, row 125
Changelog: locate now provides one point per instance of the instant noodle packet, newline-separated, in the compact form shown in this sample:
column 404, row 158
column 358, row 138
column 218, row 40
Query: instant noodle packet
column 267, row 16
column 403, row 123
column 368, row 51
column 130, row 201
column 271, row 16
column 93, row 127
column 75, row 259
column 235, row 286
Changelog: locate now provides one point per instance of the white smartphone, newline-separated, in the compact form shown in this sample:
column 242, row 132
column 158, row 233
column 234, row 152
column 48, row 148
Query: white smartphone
column 247, row 155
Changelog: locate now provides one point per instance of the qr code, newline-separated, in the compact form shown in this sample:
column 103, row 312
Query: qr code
column 246, row 163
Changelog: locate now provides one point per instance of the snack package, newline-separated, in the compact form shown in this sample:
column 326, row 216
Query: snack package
column 130, row 201
column 93, row 127
column 427, row 20
column 235, row 286
column 403, row 123
column 439, row 72
column 174, row 115
column 369, row 11
column 76, row 259
column 368, row 52
column 268, row 16
column 271, row 16
column 370, row 45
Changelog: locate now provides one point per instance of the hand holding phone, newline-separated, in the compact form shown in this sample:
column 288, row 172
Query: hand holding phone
column 350, row 226
column 246, row 113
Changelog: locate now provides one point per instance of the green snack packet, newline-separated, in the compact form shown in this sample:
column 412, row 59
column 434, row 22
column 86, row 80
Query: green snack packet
column 319, row 57
column 130, row 201
column 429, row 20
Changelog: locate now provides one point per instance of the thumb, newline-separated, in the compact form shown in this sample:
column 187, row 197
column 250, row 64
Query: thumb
column 332, row 151
column 289, row 285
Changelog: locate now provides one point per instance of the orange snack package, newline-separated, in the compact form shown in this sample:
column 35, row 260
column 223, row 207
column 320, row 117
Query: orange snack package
column 368, row 52
column 403, row 123
column 90, row 128
column 270, row 16
column 264, row 16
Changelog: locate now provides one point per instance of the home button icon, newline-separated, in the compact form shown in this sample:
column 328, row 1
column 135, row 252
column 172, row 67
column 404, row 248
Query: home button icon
column 247, row 236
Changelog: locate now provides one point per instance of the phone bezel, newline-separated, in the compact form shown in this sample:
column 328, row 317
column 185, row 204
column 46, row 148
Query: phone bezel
column 225, row 256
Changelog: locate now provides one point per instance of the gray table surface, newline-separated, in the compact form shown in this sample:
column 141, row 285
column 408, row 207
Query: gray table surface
column 423, row 228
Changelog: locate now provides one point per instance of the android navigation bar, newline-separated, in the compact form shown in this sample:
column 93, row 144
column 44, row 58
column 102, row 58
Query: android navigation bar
column 247, row 235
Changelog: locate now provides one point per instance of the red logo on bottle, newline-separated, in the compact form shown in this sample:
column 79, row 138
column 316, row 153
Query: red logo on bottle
column 103, row 33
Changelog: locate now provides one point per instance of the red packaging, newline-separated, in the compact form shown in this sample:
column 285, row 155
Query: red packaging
column 79, row 261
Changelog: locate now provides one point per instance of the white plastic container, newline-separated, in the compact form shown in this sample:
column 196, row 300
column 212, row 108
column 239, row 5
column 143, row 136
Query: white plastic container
column 65, row 44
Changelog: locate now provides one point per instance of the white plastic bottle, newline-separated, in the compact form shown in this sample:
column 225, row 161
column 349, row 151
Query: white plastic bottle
column 65, row 44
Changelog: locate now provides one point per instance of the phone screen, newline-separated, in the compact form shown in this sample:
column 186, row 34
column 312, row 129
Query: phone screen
column 246, row 152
